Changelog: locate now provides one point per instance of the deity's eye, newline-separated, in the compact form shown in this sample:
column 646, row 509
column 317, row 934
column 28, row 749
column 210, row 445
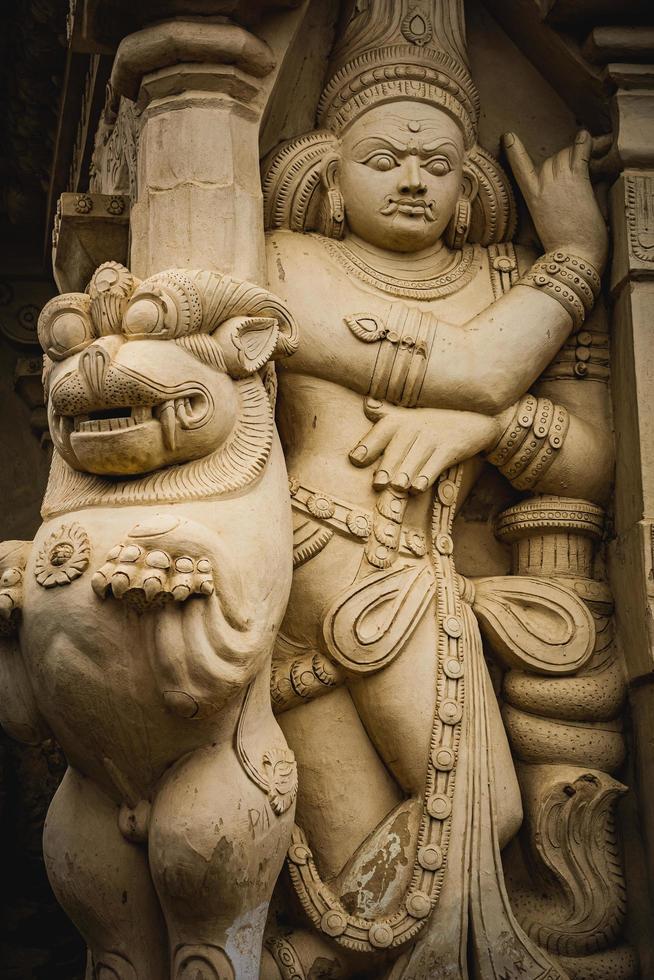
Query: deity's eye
column 382, row 161
column 439, row 167
column 69, row 332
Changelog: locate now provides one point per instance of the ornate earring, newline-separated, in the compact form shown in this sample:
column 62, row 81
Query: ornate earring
column 332, row 205
column 458, row 228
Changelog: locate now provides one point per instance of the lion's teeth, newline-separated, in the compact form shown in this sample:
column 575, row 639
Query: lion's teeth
column 168, row 424
column 182, row 410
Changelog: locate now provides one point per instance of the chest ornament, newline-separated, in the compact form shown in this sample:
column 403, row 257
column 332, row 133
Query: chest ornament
column 458, row 274
column 63, row 557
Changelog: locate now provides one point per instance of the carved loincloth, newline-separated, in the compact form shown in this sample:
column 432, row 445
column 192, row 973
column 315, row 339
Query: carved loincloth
column 442, row 913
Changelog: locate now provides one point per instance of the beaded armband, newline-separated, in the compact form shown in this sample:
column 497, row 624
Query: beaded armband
column 572, row 281
column 531, row 441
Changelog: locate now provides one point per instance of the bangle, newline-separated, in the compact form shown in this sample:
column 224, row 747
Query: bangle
column 529, row 445
column 540, row 465
column 402, row 357
column 572, row 281
column 516, row 432
column 552, row 287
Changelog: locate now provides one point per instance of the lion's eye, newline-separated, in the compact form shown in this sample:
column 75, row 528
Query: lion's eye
column 145, row 316
column 382, row 161
column 438, row 167
column 69, row 333
column 150, row 315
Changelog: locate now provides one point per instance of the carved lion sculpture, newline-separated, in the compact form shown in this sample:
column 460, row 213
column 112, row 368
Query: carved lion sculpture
column 138, row 625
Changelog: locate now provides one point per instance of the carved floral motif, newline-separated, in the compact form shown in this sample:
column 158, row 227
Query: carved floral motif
column 63, row 557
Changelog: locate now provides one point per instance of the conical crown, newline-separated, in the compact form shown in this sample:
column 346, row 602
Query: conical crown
column 401, row 49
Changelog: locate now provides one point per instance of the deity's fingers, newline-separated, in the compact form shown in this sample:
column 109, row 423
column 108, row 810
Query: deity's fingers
column 582, row 149
column 412, row 464
column 373, row 443
column 395, row 452
column 521, row 164
column 551, row 168
column 375, row 409
column 430, row 471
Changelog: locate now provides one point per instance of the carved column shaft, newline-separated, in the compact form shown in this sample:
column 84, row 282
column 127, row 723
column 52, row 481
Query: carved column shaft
column 198, row 185
column 632, row 285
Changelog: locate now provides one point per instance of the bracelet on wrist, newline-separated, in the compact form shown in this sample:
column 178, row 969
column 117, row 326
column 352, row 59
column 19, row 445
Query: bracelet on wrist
column 530, row 443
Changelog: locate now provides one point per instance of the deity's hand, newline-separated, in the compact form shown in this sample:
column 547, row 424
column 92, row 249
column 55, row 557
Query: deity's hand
column 560, row 198
column 418, row 444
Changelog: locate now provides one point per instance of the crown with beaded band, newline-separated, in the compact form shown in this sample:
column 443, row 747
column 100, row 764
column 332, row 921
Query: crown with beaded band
column 401, row 49
column 389, row 50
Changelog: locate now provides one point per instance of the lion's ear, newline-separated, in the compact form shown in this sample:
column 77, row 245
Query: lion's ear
column 247, row 343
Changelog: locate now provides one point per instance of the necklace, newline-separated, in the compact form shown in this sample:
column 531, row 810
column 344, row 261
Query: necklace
column 452, row 279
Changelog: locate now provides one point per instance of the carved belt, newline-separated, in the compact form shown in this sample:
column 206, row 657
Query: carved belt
column 332, row 515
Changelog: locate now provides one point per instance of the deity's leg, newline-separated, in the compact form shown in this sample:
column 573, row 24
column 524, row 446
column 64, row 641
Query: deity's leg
column 344, row 790
column 216, row 849
column 397, row 706
column 103, row 882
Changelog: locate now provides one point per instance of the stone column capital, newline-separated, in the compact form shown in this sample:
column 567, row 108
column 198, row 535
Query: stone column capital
column 185, row 54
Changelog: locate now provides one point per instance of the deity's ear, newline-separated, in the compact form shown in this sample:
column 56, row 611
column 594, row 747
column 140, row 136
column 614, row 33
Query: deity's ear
column 493, row 211
column 292, row 181
column 247, row 343
column 331, row 214
column 469, row 182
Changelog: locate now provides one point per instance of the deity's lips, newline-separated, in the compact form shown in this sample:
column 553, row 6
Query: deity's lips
column 409, row 206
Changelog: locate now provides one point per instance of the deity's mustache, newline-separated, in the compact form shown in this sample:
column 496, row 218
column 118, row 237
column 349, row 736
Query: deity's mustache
column 410, row 206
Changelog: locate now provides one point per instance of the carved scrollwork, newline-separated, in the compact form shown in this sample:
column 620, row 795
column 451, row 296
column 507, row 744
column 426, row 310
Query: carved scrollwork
column 192, row 961
column 536, row 625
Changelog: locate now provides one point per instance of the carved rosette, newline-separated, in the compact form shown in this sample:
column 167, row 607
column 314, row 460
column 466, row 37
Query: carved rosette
column 63, row 557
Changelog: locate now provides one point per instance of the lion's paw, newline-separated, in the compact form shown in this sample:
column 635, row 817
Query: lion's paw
column 13, row 558
column 149, row 577
column 11, row 599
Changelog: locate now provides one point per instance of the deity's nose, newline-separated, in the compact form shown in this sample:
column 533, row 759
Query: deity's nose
column 94, row 363
column 410, row 181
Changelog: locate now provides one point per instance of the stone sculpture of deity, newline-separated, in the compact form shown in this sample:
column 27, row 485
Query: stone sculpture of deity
column 425, row 748
column 424, row 335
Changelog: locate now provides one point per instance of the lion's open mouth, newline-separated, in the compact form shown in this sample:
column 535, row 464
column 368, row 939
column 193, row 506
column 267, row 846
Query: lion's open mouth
column 112, row 419
column 187, row 412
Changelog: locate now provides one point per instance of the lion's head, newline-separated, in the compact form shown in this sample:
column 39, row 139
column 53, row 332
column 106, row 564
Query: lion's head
column 143, row 377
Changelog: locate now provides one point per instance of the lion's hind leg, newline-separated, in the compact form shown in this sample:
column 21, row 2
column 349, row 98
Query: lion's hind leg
column 103, row 882
column 216, row 848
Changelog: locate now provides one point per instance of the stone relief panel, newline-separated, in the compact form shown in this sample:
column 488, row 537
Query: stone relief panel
column 308, row 744
column 403, row 225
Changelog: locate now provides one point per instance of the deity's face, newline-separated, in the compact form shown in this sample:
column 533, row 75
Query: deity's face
column 401, row 175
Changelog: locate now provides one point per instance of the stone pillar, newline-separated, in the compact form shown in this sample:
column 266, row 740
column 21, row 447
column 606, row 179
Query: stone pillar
column 632, row 287
column 199, row 191
column 566, row 735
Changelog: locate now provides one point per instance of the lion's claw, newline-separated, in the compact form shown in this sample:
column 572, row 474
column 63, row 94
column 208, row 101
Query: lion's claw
column 148, row 578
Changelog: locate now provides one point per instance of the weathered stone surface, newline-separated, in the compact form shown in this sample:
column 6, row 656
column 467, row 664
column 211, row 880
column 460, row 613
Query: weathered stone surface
column 404, row 681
